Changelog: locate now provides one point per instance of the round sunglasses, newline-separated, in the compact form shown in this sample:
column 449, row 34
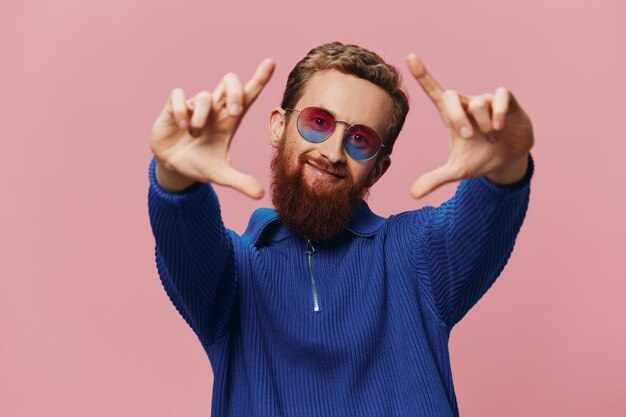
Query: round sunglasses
column 316, row 125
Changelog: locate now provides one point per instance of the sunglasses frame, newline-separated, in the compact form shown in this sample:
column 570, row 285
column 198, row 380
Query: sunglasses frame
column 348, row 127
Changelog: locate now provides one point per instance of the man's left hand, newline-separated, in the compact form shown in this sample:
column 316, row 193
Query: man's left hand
column 490, row 134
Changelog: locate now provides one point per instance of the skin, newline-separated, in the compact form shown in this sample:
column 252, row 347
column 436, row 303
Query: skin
column 350, row 99
column 489, row 134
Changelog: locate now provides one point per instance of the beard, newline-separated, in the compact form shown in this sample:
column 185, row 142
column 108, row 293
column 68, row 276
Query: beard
column 319, row 211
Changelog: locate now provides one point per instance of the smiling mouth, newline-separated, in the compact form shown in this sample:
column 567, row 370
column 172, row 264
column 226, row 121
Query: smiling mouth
column 324, row 173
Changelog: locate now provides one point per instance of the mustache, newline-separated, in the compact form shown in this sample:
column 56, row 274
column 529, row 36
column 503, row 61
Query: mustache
column 340, row 170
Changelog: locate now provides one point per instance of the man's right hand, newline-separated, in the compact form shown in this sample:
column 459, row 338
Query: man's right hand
column 191, row 137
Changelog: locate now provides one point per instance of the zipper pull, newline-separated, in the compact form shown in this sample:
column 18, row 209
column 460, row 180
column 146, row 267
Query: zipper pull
column 310, row 250
column 309, row 246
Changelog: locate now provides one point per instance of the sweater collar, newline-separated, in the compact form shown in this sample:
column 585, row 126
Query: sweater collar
column 265, row 222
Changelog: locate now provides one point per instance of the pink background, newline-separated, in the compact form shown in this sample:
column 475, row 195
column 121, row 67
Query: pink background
column 85, row 327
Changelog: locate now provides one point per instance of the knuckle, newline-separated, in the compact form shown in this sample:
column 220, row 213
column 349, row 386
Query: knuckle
column 477, row 103
column 179, row 107
column 204, row 94
column 457, row 120
column 451, row 109
column 236, row 97
column 197, row 121
column 176, row 95
column 203, row 97
column 455, row 109
column 485, row 127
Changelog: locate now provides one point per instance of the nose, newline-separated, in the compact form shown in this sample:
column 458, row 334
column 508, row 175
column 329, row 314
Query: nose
column 332, row 147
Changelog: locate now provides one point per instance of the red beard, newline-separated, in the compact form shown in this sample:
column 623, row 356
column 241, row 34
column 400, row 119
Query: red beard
column 319, row 211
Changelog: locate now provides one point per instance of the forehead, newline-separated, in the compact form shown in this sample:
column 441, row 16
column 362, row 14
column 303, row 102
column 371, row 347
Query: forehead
column 349, row 98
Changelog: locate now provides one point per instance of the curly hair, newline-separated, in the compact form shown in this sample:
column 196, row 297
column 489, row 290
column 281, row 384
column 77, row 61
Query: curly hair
column 358, row 61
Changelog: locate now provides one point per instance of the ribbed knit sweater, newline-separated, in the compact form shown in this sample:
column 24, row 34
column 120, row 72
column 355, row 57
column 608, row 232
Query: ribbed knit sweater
column 357, row 326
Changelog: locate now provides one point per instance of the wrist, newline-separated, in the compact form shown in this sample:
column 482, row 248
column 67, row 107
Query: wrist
column 171, row 181
column 511, row 173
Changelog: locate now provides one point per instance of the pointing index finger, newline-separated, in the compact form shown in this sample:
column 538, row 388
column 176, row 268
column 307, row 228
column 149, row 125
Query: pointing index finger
column 430, row 86
column 259, row 79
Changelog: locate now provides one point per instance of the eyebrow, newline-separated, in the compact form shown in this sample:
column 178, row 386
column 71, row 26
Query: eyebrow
column 383, row 136
column 321, row 106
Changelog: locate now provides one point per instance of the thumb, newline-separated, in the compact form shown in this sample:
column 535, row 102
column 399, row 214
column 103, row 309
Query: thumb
column 431, row 180
column 241, row 182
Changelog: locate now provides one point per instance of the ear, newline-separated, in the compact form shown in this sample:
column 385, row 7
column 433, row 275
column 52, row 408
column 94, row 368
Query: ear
column 277, row 126
column 379, row 170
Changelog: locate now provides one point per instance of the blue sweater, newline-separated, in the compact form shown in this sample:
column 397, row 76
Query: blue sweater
column 358, row 326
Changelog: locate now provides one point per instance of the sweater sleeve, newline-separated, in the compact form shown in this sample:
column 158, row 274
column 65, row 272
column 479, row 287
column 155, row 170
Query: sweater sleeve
column 194, row 256
column 463, row 245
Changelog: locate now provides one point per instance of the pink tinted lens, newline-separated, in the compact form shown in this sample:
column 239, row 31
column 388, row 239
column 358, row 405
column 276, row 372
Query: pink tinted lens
column 361, row 142
column 315, row 124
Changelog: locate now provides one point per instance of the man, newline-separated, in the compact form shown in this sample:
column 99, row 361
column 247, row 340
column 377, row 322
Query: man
column 323, row 308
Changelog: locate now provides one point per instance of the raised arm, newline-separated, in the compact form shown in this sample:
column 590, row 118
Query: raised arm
column 194, row 251
column 463, row 245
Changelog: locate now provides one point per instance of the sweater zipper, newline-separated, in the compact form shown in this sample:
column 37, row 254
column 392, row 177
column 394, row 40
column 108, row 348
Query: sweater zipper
column 310, row 250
